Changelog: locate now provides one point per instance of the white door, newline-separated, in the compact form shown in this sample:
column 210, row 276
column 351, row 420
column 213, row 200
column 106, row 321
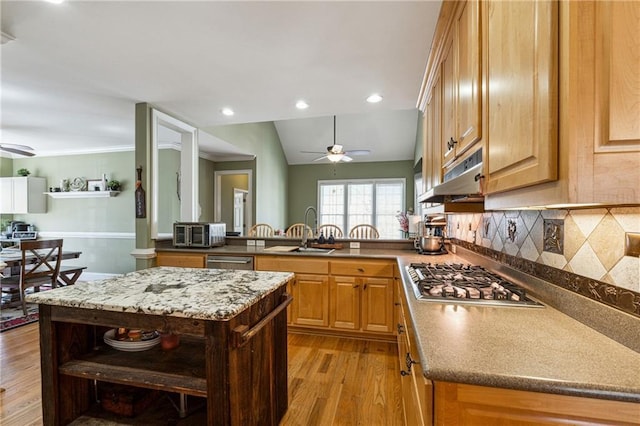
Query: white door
column 239, row 200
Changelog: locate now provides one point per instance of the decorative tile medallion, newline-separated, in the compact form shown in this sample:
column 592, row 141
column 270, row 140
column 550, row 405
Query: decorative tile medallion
column 553, row 237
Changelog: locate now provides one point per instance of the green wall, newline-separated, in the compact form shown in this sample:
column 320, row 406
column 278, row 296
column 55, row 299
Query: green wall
column 303, row 181
column 101, row 228
column 261, row 139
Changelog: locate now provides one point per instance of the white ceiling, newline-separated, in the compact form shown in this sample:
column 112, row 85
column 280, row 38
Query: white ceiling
column 74, row 72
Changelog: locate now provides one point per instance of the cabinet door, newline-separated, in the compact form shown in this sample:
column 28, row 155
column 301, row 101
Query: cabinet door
column 449, row 86
column 522, row 93
column 183, row 260
column 377, row 305
column 468, row 109
column 345, row 302
column 616, row 100
column 431, row 160
column 311, row 296
column 6, row 197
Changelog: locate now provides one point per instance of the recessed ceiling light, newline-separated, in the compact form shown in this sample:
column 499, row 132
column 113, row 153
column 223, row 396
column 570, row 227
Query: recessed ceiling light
column 375, row 98
column 302, row 104
column 227, row 111
column 54, row 1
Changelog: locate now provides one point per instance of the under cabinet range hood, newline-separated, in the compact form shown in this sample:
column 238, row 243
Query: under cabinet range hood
column 462, row 184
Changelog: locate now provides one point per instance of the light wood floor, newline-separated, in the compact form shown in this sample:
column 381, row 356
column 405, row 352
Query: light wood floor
column 332, row 381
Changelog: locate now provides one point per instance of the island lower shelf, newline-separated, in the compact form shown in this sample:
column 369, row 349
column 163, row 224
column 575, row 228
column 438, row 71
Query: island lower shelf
column 180, row 370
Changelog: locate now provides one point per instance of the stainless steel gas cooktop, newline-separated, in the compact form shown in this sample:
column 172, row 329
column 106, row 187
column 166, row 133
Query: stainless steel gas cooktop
column 457, row 283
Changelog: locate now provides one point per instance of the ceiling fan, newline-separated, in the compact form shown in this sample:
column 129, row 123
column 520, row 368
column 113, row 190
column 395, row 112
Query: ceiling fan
column 17, row 149
column 335, row 152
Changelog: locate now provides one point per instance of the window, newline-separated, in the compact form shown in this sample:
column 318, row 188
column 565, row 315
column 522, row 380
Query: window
column 354, row 202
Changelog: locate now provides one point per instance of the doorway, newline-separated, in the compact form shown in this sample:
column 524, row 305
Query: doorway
column 233, row 198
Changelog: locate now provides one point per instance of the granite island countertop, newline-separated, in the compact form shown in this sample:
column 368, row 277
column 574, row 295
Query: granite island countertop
column 207, row 294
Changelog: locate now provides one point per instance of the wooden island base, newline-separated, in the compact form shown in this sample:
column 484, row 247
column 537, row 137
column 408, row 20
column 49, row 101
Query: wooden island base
column 238, row 365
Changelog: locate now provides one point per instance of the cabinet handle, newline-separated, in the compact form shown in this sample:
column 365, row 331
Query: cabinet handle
column 409, row 361
column 400, row 328
column 451, row 143
column 404, row 373
column 356, row 286
column 361, row 270
column 364, row 287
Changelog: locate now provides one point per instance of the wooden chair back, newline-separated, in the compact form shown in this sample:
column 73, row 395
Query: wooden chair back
column 261, row 230
column 364, row 232
column 296, row 230
column 43, row 269
column 328, row 230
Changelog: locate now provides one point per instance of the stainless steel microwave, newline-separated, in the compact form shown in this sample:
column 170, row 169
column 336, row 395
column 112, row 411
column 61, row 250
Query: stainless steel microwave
column 198, row 234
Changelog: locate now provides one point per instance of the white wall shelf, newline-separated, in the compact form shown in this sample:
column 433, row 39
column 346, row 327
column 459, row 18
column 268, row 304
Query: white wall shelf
column 83, row 194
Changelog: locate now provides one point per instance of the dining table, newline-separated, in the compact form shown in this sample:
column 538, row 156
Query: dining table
column 12, row 260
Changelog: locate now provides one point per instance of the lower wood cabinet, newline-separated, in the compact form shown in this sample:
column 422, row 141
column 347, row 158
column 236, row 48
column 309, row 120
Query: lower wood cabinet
column 310, row 300
column 183, row 260
column 460, row 404
column 362, row 303
column 338, row 295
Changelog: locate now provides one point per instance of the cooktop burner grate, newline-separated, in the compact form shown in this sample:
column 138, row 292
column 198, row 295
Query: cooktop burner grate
column 460, row 283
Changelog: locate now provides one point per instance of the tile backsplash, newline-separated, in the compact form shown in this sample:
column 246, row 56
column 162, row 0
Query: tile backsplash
column 589, row 243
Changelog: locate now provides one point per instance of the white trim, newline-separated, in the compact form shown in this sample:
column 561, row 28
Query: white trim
column 144, row 253
column 107, row 235
column 189, row 206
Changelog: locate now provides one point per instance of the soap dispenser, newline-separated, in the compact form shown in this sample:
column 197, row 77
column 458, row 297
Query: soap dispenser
column 321, row 239
column 331, row 239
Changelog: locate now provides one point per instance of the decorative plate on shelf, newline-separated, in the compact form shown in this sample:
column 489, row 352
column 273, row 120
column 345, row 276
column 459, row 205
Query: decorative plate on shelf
column 78, row 184
column 147, row 341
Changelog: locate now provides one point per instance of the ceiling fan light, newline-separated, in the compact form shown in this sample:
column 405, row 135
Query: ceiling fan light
column 334, row 158
column 374, row 98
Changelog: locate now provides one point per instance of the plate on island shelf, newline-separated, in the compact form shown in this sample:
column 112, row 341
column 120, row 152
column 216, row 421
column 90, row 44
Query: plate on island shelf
column 149, row 340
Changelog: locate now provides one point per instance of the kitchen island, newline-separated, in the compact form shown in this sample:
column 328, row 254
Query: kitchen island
column 233, row 348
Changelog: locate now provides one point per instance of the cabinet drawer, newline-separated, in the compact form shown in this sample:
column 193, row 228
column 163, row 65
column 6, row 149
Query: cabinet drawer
column 183, row 260
column 369, row 268
column 304, row 265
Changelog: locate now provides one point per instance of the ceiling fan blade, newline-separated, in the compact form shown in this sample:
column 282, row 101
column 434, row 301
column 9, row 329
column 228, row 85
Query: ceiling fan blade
column 17, row 150
column 312, row 152
column 346, row 158
column 320, row 158
column 358, row 152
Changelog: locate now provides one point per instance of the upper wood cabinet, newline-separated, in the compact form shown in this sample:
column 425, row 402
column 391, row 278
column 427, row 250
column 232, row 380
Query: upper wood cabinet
column 599, row 90
column 521, row 53
column 461, row 91
column 22, row 195
column 432, row 159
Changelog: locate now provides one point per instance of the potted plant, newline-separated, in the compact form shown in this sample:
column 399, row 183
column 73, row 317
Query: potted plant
column 23, row 172
column 113, row 185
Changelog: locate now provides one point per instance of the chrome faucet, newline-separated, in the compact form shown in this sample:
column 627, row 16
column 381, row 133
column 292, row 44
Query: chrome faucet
column 304, row 231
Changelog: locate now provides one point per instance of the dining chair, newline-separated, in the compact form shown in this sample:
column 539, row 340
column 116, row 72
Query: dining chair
column 296, row 231
column 366, row 232
column 329, row 229
column 40, row 265
column 261, row 230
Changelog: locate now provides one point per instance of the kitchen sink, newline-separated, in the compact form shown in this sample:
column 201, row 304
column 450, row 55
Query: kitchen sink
column 313, row 250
